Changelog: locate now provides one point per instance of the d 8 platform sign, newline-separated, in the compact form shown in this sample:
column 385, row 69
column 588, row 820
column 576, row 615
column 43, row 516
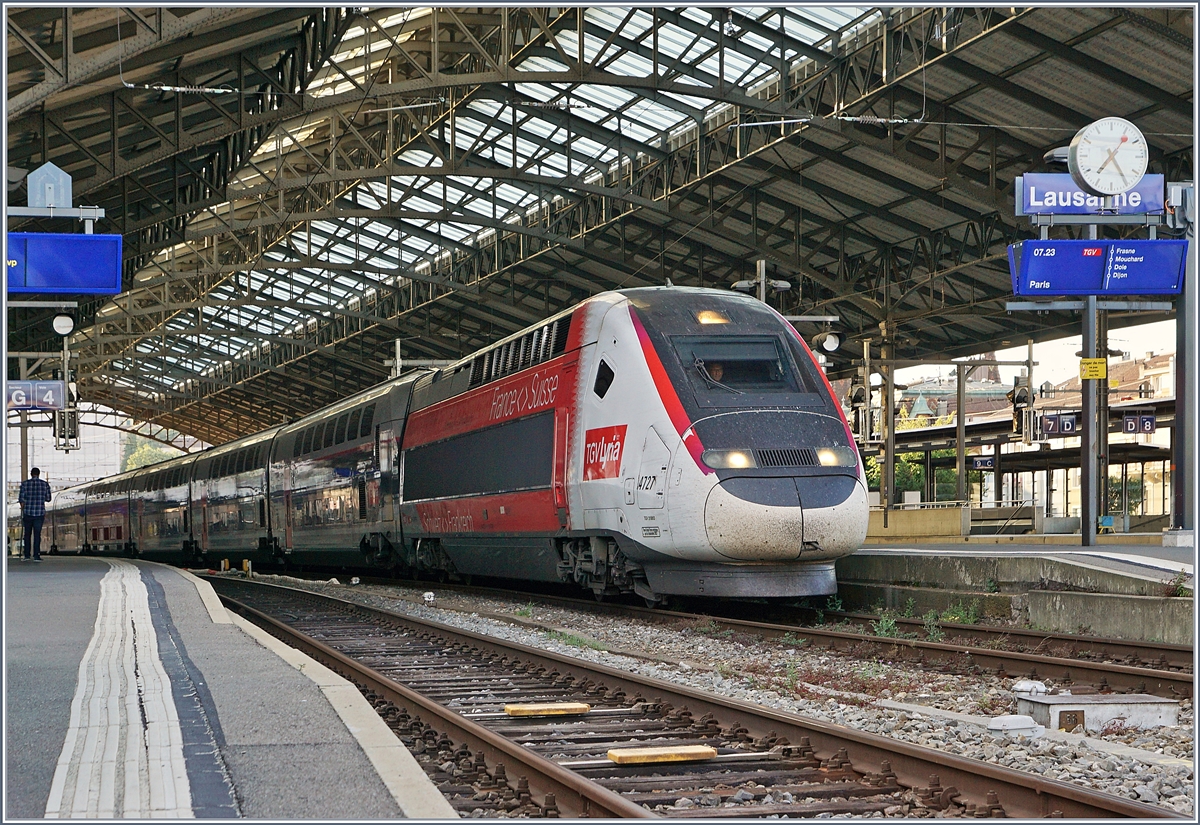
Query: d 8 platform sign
column 1102, row 267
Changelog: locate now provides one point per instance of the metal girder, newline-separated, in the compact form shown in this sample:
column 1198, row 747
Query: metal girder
column 77, row 60
column 693, row 204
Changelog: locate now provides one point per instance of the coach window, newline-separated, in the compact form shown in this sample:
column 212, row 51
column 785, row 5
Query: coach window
column 318, row 436
column 352, row 426
column 340, row 433
column 365, row 428
column 604, row 378
column 306, row 447
column 328, row 434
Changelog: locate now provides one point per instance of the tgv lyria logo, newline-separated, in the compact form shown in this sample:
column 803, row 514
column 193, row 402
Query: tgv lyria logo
column 602, row 452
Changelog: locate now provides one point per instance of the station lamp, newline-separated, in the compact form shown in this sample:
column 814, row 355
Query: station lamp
column 828, row 341
column 63, row 324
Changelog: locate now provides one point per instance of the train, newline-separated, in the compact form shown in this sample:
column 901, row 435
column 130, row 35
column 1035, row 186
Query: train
column 657, row 441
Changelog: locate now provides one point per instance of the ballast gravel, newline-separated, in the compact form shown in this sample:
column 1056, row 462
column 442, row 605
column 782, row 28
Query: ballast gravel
column 814, row 683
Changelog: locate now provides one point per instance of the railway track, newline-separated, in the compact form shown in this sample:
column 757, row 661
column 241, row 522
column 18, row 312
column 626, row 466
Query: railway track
column 1081, row 662
column 506, row 729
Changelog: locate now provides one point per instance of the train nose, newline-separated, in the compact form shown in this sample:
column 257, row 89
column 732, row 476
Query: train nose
column 781, row 519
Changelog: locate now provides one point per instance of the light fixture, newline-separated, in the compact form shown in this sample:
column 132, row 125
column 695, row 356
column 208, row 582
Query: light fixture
column 828, row 341
column 729, row 459
column 711, row 316
column 63, row 324
column 745, row 286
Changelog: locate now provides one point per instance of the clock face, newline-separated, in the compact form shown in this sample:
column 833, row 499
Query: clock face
column 1108, row 157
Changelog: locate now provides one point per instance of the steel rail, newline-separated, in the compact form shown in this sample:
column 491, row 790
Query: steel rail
column 1166, row 683
column 1021, row 794
column 580, row 796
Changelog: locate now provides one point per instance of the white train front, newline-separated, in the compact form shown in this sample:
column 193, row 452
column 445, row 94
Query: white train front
column 709, row 448
column 659, row 441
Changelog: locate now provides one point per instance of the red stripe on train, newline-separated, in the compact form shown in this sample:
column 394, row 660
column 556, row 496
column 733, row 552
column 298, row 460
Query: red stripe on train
column 668, row 396
column 530, row 511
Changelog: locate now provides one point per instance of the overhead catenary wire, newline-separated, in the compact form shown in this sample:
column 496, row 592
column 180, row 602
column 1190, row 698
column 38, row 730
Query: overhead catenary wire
column 164, row 87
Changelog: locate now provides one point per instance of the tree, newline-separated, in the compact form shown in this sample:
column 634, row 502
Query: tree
column 147, row 454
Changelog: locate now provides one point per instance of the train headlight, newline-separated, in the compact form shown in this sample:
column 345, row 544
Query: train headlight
column 729, row 459
column 837, row 457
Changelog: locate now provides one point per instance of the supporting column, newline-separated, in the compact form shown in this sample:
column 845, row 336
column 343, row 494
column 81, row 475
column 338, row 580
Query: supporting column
column 960, row 430
column 24, row 425
column 1183, row 457
column 1102, row 415
column 887, row 486
column 930, row 477
column 1089, row 509
column 997, row 475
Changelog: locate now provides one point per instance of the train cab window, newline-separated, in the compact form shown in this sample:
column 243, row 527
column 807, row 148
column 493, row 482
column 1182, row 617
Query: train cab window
column 365, row 428
column 329, row 428
column 352, row 425
column 744, row 365
column 340, row 432
column 604, row 378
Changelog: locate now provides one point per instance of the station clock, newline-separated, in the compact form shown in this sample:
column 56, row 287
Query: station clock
column 1108, row 157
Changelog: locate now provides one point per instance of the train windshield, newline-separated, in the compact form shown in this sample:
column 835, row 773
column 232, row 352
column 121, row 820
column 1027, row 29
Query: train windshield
column 740, row 368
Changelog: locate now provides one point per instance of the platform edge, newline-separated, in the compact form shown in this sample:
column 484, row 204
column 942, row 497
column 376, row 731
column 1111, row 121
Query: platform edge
column 412, row 790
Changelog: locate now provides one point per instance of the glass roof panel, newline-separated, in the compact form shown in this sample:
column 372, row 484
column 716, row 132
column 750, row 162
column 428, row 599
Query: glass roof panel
column 609, row 116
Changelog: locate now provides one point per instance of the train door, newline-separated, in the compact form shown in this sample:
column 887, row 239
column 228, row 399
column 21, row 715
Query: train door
column 652, row 474
column 562, row 430
column 287, row 520
column 204, row 521
column 389, row 482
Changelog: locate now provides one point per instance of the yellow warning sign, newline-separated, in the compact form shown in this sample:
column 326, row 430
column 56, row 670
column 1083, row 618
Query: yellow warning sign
column 1113, row 383
column 1093, row 369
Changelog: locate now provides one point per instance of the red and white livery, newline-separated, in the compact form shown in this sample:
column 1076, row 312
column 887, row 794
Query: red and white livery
column 659, row 441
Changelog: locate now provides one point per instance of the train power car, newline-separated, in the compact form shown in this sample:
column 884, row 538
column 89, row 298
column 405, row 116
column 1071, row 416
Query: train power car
column 659, row 441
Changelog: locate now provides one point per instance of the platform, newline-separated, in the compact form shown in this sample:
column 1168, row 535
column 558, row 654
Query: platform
column 132, row 693
column 1127, row 591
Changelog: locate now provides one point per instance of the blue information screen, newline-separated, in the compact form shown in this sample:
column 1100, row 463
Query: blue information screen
column 1138, row 267
column 46, row 262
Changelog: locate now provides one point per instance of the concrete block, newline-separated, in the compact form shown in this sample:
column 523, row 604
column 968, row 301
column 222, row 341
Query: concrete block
column 1095, row 711
column 1179, row 538
column 1012, row 573
column 1060, row 524
column 939, row 521
column 1149, row 618
column 865, row 595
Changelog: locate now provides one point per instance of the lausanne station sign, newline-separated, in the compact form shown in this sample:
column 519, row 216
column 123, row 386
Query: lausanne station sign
column 1092, row 267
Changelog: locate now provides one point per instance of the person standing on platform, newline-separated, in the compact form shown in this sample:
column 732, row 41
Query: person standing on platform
column 34, row 494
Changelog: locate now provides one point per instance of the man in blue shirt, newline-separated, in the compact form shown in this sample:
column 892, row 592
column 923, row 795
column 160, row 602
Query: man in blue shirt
column 33, row 497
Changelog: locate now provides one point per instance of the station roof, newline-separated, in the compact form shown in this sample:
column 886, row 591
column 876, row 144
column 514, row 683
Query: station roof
column 300, row 187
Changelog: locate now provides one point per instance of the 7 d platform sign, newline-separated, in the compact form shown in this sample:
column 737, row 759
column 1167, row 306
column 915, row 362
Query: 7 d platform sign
column 1100, row 267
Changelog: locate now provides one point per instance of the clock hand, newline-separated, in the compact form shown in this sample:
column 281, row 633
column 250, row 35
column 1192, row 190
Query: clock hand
column 1118, row 168
column 1112, row 157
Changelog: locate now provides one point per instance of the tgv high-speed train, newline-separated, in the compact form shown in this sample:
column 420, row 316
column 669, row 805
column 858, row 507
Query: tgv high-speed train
column 660, row 441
